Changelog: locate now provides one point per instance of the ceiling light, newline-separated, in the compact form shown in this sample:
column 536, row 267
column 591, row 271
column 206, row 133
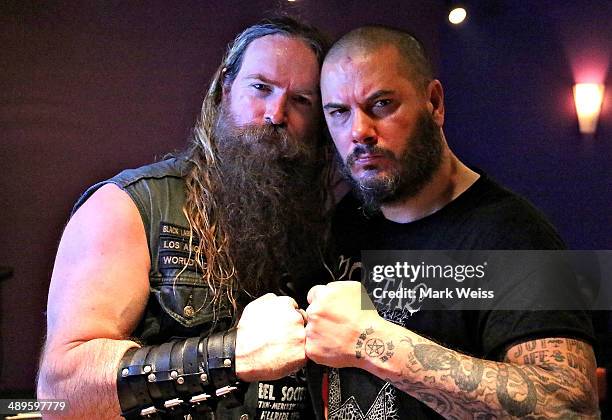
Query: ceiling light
column 457, row 15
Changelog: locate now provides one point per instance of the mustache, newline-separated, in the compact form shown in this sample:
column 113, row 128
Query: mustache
column 271, row 140
column 367, row 149
column 261, row 133
column 253, row 135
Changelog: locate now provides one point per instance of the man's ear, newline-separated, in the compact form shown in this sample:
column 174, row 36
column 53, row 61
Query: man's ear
column 435, row 101
column 225, row 89
column 226, row 85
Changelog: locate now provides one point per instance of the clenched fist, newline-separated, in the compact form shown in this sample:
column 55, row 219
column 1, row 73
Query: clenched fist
column 337, row 315
column 270, row 339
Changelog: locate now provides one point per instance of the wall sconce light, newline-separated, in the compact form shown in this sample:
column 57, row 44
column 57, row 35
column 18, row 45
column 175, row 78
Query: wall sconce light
column 588, row 98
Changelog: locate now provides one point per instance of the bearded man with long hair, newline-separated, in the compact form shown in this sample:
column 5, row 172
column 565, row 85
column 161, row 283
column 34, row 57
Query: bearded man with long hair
column 184, row 306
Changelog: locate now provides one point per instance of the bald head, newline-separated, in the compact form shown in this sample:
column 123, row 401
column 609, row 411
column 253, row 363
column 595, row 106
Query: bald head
column 367, row 39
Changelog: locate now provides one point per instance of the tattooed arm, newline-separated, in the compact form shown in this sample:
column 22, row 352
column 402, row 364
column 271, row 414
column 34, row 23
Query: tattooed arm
column 546, row 378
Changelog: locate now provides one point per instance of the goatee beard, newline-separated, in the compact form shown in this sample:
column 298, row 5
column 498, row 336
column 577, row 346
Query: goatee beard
column 414, row 168
column 270, row 205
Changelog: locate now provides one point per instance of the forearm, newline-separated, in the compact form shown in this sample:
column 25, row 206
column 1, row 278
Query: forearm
column 459, row 386
column 85, row 375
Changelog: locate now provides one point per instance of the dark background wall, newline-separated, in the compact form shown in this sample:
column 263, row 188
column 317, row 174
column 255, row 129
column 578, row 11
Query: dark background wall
column 508, row 73
column 91, row 88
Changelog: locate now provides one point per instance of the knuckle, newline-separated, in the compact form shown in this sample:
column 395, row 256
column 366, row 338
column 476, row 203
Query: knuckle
column 267, row 296
column 313, row 315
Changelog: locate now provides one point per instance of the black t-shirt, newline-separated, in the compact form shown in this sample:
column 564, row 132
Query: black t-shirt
column 484, row 217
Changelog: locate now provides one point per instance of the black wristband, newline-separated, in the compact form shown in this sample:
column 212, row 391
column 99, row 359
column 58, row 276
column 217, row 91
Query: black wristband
column 161, row 385
column 136, row 379
column 216, row 365
column 229, row 353
column 132, row 380
column 196, row 378
column 221, row 366
column 222, row 358
column 203, row 364
column 176, row 361
column 173, row 406
column 127, row 399
column 166, row 381
column 178, row 407
column 191, row 368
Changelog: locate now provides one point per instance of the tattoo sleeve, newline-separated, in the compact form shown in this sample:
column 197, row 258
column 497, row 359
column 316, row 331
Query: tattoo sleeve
column 551, row 378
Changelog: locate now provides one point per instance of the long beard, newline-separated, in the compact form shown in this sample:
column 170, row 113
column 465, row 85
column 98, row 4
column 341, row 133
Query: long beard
column 414, row 168
column 269, row 204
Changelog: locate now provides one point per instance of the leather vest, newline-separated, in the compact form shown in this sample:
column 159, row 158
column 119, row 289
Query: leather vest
column 179, row 304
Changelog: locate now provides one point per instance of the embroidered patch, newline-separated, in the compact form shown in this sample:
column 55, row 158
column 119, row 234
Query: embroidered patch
column 174, row 250
column 173, row 230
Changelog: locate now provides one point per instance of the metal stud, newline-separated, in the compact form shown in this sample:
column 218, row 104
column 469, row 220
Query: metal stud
column 173, row 403
column 146, row 412
column 227, row 362
column 204, row 377
column 197, row 399
column 180, row 381
column 125, row 372
column 146, row 369
column 188, row 311
column 151, row 377
column 174, row 374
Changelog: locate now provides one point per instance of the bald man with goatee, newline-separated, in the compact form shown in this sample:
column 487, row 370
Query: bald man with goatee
column 385, row 113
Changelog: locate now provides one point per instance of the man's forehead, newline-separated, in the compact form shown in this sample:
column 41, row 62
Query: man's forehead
column 271, row 45
column 354, row 60
column 362, row 69
column 279, row 56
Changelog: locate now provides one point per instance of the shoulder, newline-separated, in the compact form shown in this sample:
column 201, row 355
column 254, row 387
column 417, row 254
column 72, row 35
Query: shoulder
column 103, row 254
column 168, row 168
column 144, row 181
column 502, row 219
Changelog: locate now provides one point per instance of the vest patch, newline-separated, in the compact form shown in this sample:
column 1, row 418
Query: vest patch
column 173, row 230
column 174, row 251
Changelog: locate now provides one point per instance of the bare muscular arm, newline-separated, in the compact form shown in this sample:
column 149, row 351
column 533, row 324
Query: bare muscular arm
column 99, row 289
column 546, row 378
